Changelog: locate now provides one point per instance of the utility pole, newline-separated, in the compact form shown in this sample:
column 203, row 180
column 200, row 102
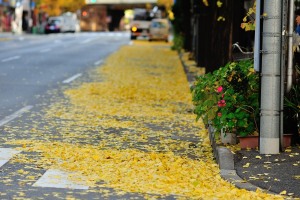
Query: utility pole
column 271, row 77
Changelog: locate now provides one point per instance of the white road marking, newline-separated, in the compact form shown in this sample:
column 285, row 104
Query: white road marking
column 6, row 154
column 54, row 178
column 86, row 41
column 15, row 115
column 45, row 50
column 98, row 62
column 69, row 80
column 11, row 58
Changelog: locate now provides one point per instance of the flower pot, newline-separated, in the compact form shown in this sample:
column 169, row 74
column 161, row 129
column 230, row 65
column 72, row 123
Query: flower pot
column 251, row 141
column 287, row 140
column 228, row 138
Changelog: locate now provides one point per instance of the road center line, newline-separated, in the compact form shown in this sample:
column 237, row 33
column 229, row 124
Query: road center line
column 45, row 50
column 98, row 62
column 15, row 115
column 69, row 80
column 11, row 58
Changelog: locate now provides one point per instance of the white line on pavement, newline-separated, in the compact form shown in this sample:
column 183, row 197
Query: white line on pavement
column 11, row 58
column 54, row 178
column 45, row 50
column 6, row 154
column 98, row 62
column 15, row 115
column 69, row 80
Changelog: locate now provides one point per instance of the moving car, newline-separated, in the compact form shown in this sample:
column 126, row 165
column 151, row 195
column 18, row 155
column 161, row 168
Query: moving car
column 159, row 29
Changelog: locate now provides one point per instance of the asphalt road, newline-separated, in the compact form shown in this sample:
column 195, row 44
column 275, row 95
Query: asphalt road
column 30, row 67
column 33, row 64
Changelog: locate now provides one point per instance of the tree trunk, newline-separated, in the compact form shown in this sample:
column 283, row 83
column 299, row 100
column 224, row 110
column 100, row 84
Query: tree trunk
column 217, row 29
column 224, row 32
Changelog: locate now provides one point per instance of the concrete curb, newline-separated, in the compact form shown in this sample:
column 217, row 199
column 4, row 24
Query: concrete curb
column 228, row 172
column 225, row 159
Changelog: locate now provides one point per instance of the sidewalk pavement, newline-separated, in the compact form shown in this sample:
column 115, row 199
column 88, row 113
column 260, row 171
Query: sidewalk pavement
column 249, row 170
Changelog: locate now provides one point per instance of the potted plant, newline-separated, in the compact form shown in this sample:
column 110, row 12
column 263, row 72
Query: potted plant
column 227, row 99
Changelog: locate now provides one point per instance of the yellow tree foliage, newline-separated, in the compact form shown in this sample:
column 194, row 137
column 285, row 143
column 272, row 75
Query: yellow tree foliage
column 168, row 5
column 57, row 7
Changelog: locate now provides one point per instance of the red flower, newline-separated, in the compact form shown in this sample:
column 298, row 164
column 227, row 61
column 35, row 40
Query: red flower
column 221, row 103
column 219, row 114
column 219, row 89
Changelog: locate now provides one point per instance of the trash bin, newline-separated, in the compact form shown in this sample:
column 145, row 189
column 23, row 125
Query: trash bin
column 34, row 30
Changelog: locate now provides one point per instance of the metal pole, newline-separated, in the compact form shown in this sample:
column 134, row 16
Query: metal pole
column 257, row 36
column 284, row 57
column 290, row 47
column 270, row 80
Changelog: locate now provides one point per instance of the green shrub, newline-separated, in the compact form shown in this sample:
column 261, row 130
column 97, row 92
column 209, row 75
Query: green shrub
column 177, row 42
column 229, row 98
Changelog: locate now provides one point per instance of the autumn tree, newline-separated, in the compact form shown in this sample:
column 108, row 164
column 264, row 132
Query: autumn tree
column 56, row 7
column 167, row 4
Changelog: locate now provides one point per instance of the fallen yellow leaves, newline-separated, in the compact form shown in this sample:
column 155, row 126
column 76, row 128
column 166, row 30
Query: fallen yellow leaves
column 139, row 134
column 136, row 171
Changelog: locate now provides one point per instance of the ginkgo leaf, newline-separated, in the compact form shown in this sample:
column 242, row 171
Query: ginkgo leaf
column 283, row 192
column 297, row 177
column 246, row 165
column 219, row 3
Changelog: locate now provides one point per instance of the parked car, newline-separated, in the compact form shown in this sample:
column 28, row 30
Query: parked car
column 53, row 25
column 66, row 22
column 159, row 30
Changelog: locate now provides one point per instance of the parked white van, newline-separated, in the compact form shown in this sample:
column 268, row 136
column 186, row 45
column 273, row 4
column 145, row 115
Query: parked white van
column 70, row 22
